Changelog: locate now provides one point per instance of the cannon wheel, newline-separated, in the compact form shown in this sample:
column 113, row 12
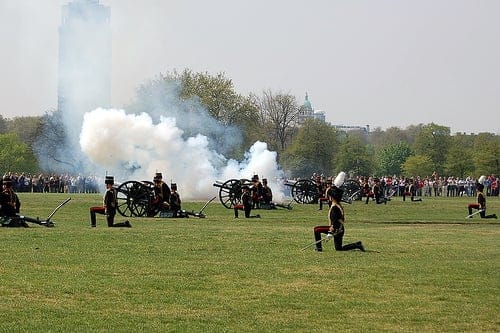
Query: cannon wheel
column 230, row 192
column 305, row 191
column 134, row 199
column 151, row 210
column 352, row 189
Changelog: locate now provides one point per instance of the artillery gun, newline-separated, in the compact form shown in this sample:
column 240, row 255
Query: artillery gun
column 21, row 220
column 230, row 191
column 306, row 191
column 136, row 199
column 303, row 191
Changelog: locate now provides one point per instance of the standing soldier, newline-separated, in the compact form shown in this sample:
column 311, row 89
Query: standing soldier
column 323, row 198
column 267, row 194
column 109, row 206
column 256, row 192
column 412, row 190
column 366, row 190
column 378, row 192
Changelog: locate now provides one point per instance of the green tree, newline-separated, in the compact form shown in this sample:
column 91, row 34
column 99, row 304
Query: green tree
column 312, row 150
column 486, row 154
column 3, row 125
column 202, row 104
column 354, row 157
column 390, row 158
column 392, row 135
column 418, row 165
column 459, row 158
column 26, row 128
column 15, row 155
column 215, row 92
column 433, row 141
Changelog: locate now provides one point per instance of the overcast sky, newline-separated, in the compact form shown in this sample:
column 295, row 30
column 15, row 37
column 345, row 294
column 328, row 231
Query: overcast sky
column 381, row 63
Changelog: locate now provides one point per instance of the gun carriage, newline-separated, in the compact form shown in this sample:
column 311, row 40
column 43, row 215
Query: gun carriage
column 306, row 191
column 137, row 199
column 303, row 191
column 230, row 191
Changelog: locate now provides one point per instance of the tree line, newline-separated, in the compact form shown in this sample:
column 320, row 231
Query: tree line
column 304, row 146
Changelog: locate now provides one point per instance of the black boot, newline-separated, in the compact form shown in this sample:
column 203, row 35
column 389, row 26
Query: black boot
column 93, row 223
column 125, row 224
column 353, row 246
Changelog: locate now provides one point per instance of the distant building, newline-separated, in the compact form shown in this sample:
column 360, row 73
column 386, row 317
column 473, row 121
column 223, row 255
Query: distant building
column 84, row 58
column 307, row 112
column 365, row 129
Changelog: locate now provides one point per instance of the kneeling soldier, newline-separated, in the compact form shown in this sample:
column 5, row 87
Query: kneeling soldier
column 109, row 206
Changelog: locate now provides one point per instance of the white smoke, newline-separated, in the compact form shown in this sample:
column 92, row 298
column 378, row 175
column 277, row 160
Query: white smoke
column 133, row 147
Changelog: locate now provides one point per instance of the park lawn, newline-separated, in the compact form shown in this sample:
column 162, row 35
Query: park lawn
column 427, row 268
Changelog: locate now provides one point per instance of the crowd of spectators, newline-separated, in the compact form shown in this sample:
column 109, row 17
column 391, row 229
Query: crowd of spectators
column 391, row 185
column 429, row 186
column 53, row 183
column 439, row 186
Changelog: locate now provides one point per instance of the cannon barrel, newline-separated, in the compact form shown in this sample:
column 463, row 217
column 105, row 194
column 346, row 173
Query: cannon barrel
column 232, row 183
column 218, row 183
column 230, row 191
column 289, row 182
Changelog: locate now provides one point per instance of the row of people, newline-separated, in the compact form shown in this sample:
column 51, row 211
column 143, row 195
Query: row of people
column 53, row 183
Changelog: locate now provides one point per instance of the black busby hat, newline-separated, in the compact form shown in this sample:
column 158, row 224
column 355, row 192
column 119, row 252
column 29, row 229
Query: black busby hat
column 109, row 180
column 255, row 177
column 173, row 186
column 7, row 181
column 336, row 193
column 158, row 176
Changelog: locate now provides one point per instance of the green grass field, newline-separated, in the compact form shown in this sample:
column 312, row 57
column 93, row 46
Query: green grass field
column 427, row 269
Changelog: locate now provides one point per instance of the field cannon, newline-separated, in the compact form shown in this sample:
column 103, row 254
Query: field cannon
column 21, row 220
column 306, row 191
column 136, row 199
column 230, row 191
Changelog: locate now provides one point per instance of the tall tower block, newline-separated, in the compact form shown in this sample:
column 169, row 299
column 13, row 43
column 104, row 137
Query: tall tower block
column 84, row 59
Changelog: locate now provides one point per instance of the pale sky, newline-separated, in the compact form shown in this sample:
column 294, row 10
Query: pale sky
column 381, row 63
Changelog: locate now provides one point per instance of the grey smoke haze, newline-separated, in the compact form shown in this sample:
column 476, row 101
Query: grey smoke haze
column 383, row 63
column 165, row 134
column 133, row 146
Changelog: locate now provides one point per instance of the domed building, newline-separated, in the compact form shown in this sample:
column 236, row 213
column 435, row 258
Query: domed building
column 307, row 112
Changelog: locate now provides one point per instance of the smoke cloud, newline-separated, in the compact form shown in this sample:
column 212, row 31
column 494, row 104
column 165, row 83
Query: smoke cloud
column 133, row 147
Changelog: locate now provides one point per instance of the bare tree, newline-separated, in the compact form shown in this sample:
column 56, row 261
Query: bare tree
column 279, row 113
